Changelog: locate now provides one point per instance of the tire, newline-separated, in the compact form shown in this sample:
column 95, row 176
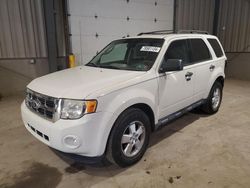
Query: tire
column 133, row 129
column 212, row 104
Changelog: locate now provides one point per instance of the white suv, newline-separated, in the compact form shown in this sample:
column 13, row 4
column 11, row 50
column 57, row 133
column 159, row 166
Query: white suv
column 110, row 106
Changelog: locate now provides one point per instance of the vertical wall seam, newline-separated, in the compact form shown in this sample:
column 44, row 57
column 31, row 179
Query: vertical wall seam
column 25, row 52
column 32, row 22
column 11, row 34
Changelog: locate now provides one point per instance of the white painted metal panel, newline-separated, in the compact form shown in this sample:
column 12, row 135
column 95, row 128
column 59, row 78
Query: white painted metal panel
column 95, row 23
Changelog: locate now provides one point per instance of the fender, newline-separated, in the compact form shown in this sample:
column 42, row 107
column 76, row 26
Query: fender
column 119, row 101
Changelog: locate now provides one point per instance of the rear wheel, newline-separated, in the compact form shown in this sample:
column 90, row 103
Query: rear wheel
column 213, row 101
column 129, row 138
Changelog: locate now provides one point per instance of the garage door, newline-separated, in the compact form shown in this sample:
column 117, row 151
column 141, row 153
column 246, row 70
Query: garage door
column 94, row 23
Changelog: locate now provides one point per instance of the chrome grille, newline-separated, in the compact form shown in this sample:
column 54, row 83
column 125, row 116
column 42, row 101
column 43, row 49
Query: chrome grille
column 43, row 105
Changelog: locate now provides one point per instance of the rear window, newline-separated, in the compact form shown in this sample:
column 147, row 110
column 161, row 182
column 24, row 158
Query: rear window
column 216, row 47
column 199, row 50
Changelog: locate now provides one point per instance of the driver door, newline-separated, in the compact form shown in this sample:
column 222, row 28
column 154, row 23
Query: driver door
column 176, row 88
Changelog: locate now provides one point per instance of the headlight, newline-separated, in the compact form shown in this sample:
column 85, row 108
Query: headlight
column 74, row 109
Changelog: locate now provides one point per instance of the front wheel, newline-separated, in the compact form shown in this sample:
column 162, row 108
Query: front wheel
column 129, row 138
column 213, row 101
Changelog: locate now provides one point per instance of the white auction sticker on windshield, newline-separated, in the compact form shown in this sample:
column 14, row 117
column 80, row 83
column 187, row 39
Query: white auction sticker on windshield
column 150, row 49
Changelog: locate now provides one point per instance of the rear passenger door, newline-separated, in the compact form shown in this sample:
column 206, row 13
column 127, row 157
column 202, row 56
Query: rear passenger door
column 203, row 64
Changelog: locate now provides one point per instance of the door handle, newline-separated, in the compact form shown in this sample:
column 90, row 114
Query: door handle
column 188, row 76
column 212, row 67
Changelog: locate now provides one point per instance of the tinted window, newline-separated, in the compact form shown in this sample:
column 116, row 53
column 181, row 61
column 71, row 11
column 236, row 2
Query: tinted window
column 178, row 50
column 216, row 47
column 199, row 50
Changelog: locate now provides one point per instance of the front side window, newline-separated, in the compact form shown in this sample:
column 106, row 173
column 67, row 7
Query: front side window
column 178, row 50
column 129, row 54
column 199, row 50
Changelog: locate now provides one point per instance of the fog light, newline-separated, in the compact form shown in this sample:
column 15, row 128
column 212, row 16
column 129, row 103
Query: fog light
column 71, row 141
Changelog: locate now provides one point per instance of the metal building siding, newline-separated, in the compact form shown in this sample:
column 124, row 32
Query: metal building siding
column 195, row 15
column 6, row 40
column 27, row 29
column 39, row 27
column 60, row 33
column 22, row 29
column 234, row 25
column 244, row 27
column 16, row 28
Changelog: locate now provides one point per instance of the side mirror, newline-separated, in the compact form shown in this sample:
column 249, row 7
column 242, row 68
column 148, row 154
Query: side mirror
column 171, row 65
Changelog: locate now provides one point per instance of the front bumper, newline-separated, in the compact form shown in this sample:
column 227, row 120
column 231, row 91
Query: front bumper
column 89, row 132
column 97, row 160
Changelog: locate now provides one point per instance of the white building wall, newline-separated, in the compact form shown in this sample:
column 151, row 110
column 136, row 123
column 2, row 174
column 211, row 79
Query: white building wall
column 95, row 23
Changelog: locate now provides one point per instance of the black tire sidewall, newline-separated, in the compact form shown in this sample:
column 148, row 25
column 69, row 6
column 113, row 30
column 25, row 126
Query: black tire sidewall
column 209, row 105
column 121, row 124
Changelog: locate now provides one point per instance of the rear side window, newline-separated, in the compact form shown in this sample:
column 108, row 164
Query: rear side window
column 199, row 50
column 178, row 50
column 216, row 47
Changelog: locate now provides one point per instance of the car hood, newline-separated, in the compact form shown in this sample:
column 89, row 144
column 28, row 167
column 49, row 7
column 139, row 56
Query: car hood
column 80, row 82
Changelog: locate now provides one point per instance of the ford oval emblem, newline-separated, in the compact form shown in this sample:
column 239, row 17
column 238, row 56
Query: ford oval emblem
column 36, row 104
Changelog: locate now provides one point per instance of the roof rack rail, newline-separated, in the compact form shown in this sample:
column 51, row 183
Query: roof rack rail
column 193, row 31
column 157, row 32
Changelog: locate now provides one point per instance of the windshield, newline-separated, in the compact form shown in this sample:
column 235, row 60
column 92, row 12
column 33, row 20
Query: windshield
column 128, row 54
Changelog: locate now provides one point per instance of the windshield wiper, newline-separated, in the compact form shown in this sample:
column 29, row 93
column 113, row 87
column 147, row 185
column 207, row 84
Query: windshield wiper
column 92, row 65
column 108, row 66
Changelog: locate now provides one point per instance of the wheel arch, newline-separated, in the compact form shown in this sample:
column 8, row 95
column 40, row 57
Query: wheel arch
column 146, row 108
column 142, row 106
column 220, row 79
column 148, row 111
